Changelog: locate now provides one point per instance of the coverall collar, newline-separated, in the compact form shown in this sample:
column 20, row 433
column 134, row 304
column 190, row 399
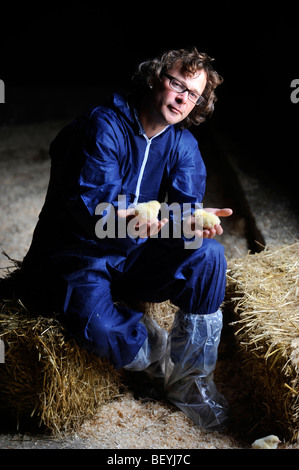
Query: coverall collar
column 141, row 129
column 125, row 104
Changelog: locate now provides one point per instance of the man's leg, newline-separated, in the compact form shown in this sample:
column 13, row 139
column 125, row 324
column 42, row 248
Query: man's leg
column 194, row 280
column 151, row 356
column 97, row 323
column 190, row 362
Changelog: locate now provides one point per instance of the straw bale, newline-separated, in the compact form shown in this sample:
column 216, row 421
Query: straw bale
column 46, row 377
column 263, row 290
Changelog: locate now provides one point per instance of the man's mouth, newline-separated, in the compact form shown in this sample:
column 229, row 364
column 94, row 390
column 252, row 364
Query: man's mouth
column 174, row 110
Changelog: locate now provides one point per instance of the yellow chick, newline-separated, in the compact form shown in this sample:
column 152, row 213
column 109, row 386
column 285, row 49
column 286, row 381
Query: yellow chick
column 206, row 219
column 148, row 210
column 268, row 442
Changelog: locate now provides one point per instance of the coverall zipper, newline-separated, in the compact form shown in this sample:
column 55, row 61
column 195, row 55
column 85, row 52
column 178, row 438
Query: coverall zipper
column 146, row 153
column 137, row 191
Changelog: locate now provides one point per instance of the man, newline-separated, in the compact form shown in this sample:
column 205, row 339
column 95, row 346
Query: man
column 137, row 146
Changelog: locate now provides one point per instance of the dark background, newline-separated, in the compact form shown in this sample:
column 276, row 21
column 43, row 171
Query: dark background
column 57, row 59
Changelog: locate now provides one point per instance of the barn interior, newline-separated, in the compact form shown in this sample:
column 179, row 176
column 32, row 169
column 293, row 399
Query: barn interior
column 57, row 60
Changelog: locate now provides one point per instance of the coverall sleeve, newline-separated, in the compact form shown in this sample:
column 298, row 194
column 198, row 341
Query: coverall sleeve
column 187, row 180
column 100, row 178
column 86, row 168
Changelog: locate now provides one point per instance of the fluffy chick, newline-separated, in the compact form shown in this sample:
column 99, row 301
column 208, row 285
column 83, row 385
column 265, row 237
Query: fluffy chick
column 206, row 219
column 148, row 210
column 268, row 442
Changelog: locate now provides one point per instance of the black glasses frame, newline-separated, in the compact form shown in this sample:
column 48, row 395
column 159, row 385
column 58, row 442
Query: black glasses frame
column 171, row 78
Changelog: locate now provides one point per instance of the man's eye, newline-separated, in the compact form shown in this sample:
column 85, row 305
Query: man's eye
column 178, row 84
column 193, row 95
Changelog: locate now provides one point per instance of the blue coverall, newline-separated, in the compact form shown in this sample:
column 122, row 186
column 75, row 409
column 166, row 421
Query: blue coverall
column 97, row 157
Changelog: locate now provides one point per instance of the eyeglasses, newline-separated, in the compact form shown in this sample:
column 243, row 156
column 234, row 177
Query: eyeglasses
column 180, row 87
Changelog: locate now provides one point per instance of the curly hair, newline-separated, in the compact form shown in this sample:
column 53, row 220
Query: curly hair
column 191, row 61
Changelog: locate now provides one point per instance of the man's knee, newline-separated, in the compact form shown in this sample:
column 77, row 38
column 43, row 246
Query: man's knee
column 210, row 274
column 214, row 249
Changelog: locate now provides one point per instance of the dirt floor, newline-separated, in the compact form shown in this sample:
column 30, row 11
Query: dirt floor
column 139, row 419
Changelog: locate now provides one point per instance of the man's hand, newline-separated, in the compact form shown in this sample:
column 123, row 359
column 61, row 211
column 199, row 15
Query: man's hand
column 192, row 228
column 142, row 227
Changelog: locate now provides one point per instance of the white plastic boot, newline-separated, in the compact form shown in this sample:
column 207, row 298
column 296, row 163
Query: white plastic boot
column 191, row 358
column 151, row 356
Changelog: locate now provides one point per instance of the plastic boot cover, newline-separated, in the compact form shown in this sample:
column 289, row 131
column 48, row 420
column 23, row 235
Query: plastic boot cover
column 151, row 356
column 190, row 361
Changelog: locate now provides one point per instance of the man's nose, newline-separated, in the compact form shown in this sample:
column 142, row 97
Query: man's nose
column 182, row 97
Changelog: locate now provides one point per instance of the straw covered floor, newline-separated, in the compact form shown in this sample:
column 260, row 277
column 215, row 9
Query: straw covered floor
column 263, row 289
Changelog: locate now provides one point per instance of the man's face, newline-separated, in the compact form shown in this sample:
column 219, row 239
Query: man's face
column 170, row 106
